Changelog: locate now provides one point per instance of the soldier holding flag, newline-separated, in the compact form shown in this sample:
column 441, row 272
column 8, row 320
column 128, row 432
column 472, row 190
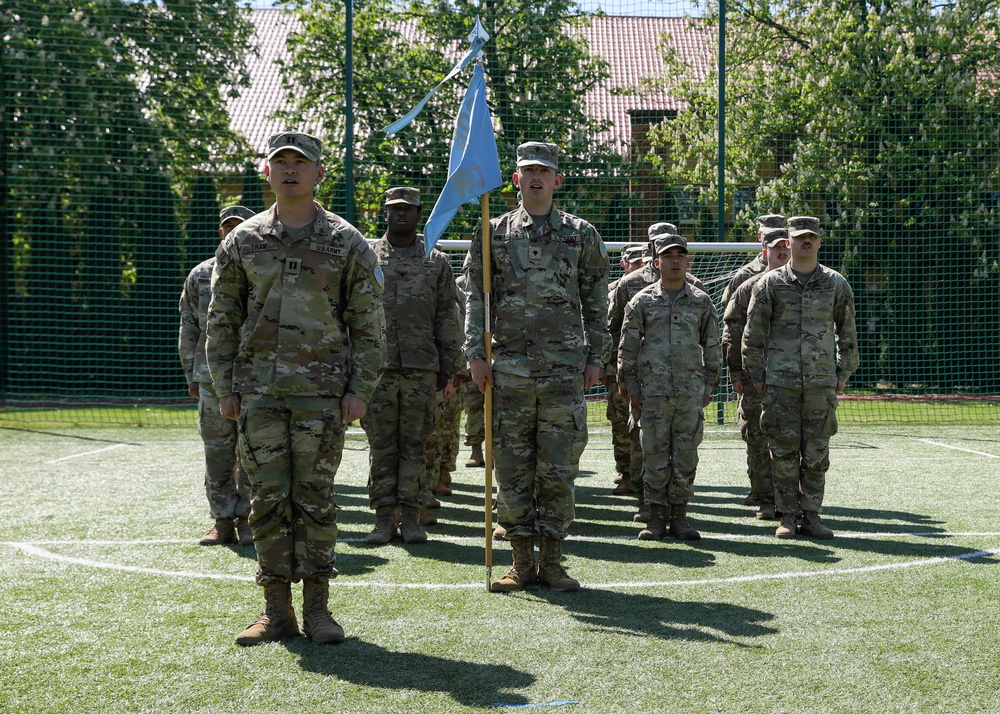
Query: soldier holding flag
column 549, row 306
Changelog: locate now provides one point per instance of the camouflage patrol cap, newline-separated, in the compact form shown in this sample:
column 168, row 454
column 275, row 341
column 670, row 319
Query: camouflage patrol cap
column 770, row 220
column 661, row 229
column 402, row 194
column 308, row 146
column 635, row 252
column 229, row 213
column 800, row 225
column 665, row 241
column 538, row 153
column 775, row 236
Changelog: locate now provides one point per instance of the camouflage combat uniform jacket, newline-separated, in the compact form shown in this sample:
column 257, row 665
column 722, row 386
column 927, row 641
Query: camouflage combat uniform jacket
column 627, row 288
column 419, row 305
column 549, row 295
column 734, row 322
column 800, row 336
column 296, row 318
column 670, row 348
column 757, row 266
column 195, row 297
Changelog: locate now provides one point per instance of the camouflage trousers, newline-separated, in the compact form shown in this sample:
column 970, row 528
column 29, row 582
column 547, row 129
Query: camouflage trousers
column 475, row 429
column 442, row 444
column 671, row 429
column 635, row 451
column 758, row 456
column 798, row 425
column 621, row 442
column 291, row 448
column 225, row 480
column 540, row 432
column 400, row 418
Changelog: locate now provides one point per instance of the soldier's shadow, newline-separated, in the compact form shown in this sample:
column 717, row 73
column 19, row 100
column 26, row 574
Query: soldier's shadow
column 367, row 664
column 648, row 616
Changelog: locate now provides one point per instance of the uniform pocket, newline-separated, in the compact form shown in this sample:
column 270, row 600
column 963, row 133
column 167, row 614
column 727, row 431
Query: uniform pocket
column 769, row 414
column 243, row 449
column 830, row 425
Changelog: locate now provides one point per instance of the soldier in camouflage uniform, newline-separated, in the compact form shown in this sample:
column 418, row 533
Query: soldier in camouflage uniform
column 669, row 365
column 549, row 306
column 800, row 347
column 755, row 267
column 442, row 445
column 758, row 265
column 776, row 254
column 422, row 343
column 628, row 287
column 296, row 345
column 225, row 481
column 617, row 409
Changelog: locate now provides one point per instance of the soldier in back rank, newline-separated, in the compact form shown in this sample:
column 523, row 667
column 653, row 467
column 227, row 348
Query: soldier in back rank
column 549, row 307
column 668, row 366
column 776, row 253
column 422, row 344
column 800, row 346
column 758, row 265
column 225, row 481
column 296, row 345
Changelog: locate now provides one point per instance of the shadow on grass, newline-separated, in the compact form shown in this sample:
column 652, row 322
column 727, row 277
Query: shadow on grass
column 366, row 664
column 648, row 616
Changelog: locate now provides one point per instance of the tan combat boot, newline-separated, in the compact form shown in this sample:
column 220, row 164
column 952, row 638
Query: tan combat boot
column 679, row 526
column 409, row 526
column 624, row 486
column 317, row 622
column 427, row 518
column 385, row 526
column 243, row 533
column 221, row 533
column 656, row 529
column 813, row 526
column 476, row 458
column 786, row 529
column 276, row 622
column 550, row 569
column 643, row 514
column 443, row 485
column 765, row 512
column 522, row 573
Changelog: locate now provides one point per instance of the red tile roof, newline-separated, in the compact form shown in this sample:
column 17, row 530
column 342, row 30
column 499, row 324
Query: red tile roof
column 630, row 45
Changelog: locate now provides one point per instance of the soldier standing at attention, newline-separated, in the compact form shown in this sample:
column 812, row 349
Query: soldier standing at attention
column 549, row 307
column 225, row 481
column 776, row 253
column 617, row 410
column 800, row 347
column 669, row 366
column 628, row 287
column 296, row 345
column 758, row 265
column 422, row 346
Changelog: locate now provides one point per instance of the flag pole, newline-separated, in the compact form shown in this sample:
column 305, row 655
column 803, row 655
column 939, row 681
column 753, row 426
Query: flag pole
column 484, row 204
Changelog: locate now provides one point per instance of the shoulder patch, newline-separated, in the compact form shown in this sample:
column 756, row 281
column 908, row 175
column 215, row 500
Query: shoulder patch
column 604, row 250
column 379, row 276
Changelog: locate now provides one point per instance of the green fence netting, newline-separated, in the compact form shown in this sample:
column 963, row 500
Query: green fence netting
column 128, row 124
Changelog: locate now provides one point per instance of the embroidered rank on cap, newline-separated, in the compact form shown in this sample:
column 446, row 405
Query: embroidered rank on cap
column 379, row 276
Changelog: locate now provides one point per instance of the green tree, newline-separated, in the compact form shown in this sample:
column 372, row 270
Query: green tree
column 881, row 118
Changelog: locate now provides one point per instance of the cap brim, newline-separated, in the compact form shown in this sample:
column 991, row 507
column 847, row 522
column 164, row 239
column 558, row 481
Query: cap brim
column 802, row 232
column 537, row 162
column 672, row 245
column 397, row 201
column 291, row 148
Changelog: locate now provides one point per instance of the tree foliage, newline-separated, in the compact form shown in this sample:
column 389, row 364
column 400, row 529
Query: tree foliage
column 881, row 118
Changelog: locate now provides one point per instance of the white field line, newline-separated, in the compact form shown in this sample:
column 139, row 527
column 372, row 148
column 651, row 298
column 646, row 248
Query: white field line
column 87, row 453
column 759, row 577
column 959, row 448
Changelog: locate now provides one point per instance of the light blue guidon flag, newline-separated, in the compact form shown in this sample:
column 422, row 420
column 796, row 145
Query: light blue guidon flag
column 474, row 165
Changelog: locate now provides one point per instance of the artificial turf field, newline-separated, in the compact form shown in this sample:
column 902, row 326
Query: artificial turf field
column 109, row 605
